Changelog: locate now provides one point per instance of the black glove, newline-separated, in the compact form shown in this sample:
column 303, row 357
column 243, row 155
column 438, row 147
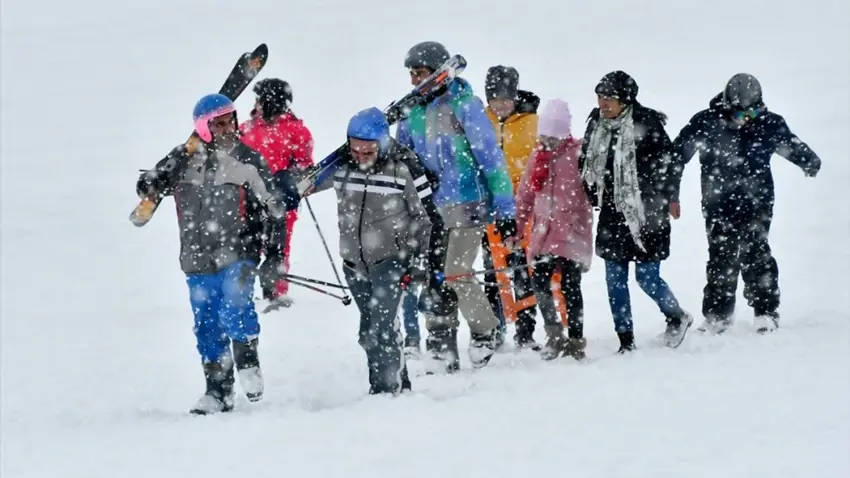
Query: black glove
column 506, row 228
column 813, row 168
column 288, row 189
column 150, row 183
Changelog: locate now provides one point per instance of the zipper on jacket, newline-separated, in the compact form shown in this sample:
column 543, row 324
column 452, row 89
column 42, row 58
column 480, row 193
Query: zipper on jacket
column 360, row 224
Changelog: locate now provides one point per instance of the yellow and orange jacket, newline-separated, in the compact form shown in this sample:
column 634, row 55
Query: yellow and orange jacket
column 517, row 134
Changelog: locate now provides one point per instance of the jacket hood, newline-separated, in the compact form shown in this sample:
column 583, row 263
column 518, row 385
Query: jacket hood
column 527, row 102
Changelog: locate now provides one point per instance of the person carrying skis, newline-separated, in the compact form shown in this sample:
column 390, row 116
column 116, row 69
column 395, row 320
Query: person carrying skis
column 456, row 143
column 735, row 138
column 551, row 195
column 214, row 189
column 513, row 113
column 383, row 238
column 287, row 145
column 625, row 163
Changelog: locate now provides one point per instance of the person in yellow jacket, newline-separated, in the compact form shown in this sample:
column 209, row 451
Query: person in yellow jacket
column 513, row 113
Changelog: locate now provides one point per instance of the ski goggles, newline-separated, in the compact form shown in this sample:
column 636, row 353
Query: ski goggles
column 748, row 114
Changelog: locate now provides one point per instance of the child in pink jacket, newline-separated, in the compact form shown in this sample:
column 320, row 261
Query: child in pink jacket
column 552, row 197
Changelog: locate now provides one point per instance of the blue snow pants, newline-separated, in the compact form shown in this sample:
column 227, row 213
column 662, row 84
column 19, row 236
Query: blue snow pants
column 377, row 294
column 648, row 275
column 223, row 305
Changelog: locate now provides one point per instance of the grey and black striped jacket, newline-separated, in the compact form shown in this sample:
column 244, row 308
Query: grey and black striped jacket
column 381, row 211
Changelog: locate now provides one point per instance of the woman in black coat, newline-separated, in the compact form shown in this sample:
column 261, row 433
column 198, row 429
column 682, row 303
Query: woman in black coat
column 625, row 164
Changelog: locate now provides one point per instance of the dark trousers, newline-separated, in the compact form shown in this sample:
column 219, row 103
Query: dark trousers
column 737, row 244
column 523, row 288
column 544, row 268
column 377, row 294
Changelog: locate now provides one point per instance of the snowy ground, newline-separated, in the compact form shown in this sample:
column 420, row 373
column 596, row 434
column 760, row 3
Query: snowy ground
column 97, row 356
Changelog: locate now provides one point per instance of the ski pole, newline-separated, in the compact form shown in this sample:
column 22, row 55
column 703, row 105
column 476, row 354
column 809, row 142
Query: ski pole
column 486, row 271
column 345, row 300
column 313, row 281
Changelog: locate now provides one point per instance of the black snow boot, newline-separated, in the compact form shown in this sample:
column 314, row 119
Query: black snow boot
column 219, row 395
column 627, row 342
column 441, row 346
column 248, row 367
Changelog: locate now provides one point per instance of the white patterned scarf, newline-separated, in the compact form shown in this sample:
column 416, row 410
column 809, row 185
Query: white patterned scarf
column 627, row 199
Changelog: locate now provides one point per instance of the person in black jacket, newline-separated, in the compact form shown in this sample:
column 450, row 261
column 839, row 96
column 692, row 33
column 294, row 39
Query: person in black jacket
column 224, row 193
column 735, row 138
column 624, row 164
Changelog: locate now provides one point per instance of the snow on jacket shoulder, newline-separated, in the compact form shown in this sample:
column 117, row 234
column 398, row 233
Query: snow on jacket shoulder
column 284, row 142
column 560, row 212
column 456, row 142
column 380, row 211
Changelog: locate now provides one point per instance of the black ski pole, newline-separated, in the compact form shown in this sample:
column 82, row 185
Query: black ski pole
column 345, row 300
column 321, row 291
column 313, row 281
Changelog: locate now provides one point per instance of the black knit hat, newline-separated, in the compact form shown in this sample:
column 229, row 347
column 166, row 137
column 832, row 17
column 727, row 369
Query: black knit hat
column 618, row 84
column 274, row 96
column 501, row 82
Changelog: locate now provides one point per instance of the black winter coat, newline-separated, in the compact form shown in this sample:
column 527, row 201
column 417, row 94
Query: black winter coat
column 735, row 162
column 654, row 152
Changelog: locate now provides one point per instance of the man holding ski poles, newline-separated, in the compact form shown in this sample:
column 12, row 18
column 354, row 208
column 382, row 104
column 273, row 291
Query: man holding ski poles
column 384, row 237
column 473, row 189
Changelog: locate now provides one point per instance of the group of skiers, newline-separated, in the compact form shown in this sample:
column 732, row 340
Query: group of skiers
column 413, row 212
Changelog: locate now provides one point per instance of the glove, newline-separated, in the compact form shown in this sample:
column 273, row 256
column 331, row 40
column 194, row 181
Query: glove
column 506, row 228
column 417, row 273
column 813, row 169
column 149, row 184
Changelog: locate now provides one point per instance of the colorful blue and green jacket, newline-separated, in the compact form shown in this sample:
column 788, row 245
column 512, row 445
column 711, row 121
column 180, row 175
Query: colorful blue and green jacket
column 457, row 144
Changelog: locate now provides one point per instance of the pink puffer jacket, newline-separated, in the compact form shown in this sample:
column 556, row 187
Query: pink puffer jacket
column 560, row 212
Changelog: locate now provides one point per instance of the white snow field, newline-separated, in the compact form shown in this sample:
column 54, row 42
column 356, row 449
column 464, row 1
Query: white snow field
column 99, row 366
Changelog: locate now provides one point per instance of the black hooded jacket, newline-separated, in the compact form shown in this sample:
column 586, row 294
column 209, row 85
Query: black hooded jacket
column 735, row 159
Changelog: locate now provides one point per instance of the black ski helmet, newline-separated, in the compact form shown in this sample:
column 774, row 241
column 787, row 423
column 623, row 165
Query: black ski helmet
column 428, row 54
column 274, row 96
column 742, row 91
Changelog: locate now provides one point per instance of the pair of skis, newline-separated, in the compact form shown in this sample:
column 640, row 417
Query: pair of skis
column 395, row 112
column 244, row 71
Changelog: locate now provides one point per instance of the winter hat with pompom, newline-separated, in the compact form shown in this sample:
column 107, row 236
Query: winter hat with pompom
column 555, row 120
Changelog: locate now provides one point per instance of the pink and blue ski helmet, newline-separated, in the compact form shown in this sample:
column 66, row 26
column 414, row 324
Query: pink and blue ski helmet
column 207, row 108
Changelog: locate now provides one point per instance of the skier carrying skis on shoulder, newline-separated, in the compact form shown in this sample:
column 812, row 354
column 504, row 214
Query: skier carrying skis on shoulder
column 287, row 145
column 456, row 143
column 383, row 238
column 735, row 138
column 214, row 189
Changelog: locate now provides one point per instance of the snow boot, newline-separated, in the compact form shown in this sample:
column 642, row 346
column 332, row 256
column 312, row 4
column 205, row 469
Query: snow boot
column 524, row 337
column 677, row 327
column 411, row 349
column 627, row 342
column 766, row 322
column 441, row 346
column 575, row 348
column 248, row 367
column 219, row 394
column 556, row 343
column 482, row 347
column 714, row 325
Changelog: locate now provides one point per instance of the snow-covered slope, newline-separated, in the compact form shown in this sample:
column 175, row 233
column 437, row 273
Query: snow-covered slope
column 98, row 365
